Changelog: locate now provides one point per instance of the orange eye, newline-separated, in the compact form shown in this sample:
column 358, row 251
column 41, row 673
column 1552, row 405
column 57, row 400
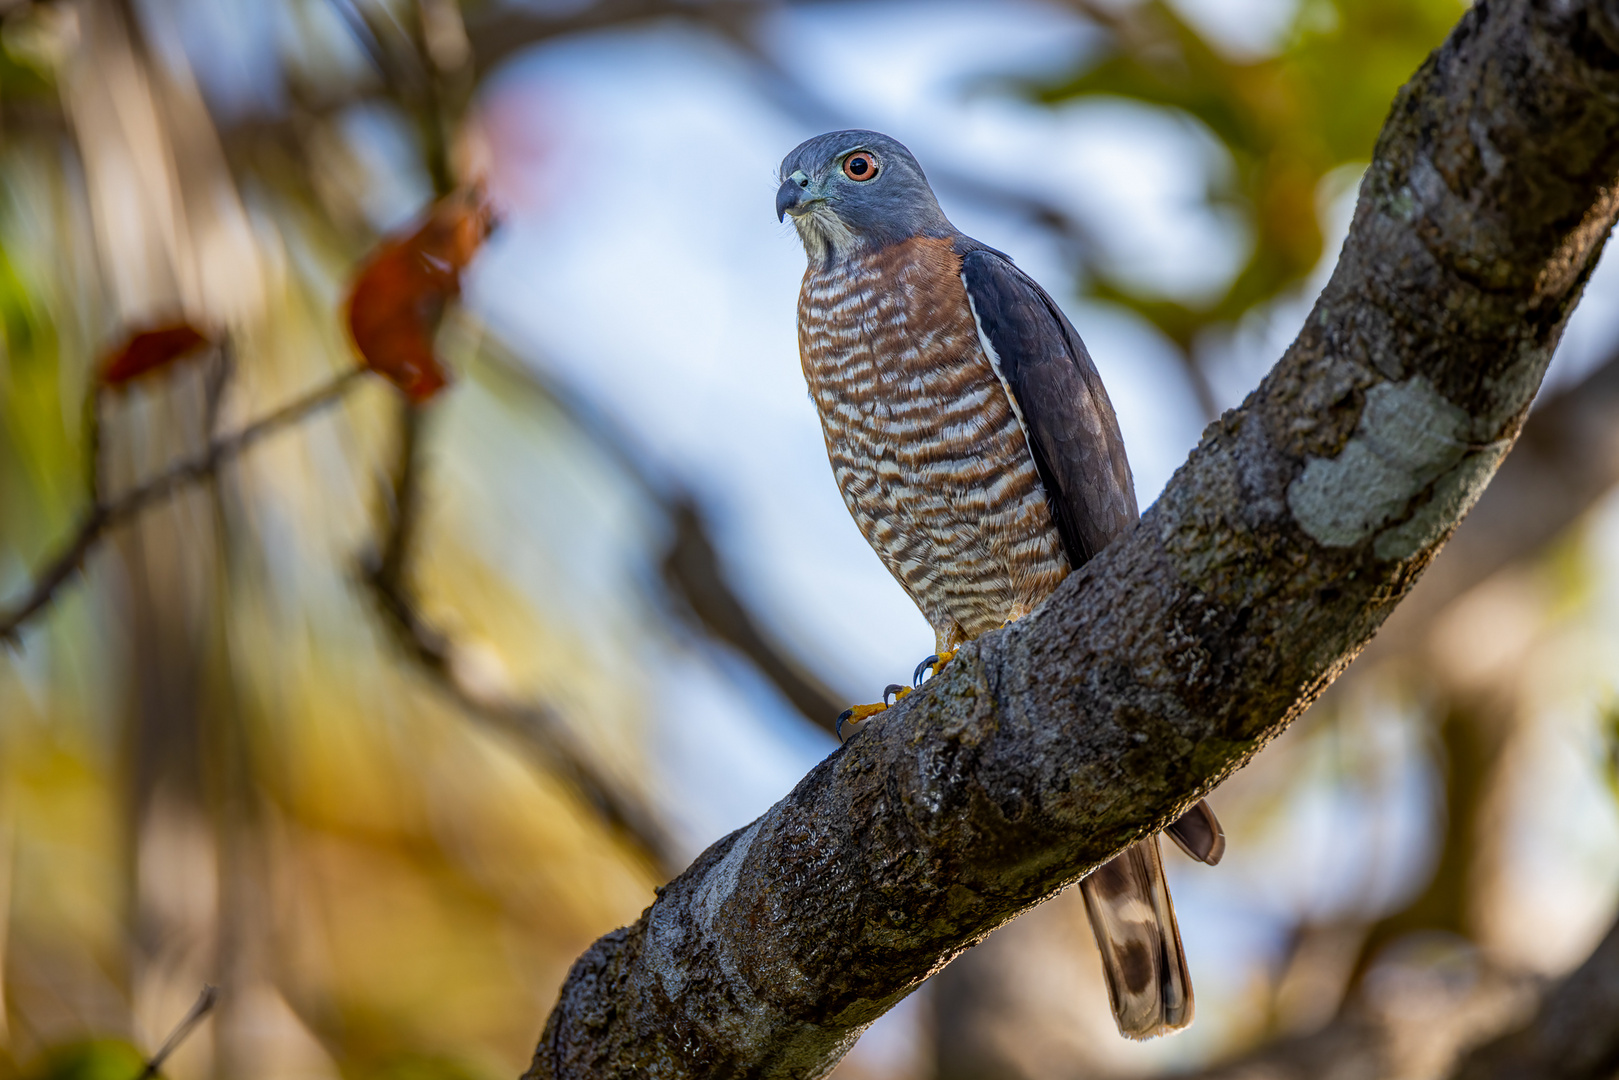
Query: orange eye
column 860, row 166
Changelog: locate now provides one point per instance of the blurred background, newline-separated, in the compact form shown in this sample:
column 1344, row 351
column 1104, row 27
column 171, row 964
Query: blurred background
column 374, row 709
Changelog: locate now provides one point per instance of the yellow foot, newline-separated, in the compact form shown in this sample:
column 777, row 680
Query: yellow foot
column 891, row 694
column 931, row 666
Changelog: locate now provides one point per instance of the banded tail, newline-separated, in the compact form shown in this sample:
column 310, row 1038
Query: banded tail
column 1133, row 918
column 1142, row 959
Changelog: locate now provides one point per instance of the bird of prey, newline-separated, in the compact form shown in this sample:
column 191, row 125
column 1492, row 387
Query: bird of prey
column 977, row 451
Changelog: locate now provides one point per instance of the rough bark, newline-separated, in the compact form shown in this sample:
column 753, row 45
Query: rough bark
column 1299, row 522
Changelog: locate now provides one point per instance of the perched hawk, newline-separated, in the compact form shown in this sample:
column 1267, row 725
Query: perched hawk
column 976, row 448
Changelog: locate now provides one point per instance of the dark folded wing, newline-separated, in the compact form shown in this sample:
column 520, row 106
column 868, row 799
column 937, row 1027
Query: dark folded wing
column 1065, row 412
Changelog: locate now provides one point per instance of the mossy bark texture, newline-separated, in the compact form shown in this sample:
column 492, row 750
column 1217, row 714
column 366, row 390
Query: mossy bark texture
column 1169, row 660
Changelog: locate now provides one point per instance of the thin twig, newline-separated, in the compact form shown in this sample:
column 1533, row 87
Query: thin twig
column 1197, row 377
column 216, row 378
column 627, row 453
column 368, row 39
column 691, row 569
column 403, row 501
column 92, row 444
column 415, row 84
column 188, row 1023
column 105, row 514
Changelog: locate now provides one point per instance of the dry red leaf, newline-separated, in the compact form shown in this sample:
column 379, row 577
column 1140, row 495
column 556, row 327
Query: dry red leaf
column 150, row 350
column 401, row 291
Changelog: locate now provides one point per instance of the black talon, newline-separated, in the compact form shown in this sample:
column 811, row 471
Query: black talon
column 843, row 718
column 891, row 690
column 923, row 668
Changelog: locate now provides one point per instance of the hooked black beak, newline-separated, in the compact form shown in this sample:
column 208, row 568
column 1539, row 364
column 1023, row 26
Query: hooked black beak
column 790, row 194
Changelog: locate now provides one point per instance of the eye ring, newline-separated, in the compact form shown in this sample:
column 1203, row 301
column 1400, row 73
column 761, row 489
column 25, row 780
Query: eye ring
column 860, row 166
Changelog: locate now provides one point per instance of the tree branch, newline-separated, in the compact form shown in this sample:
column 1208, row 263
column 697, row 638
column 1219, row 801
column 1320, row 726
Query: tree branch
column 691, row 568
column 105, row 514
column 1165, row 663
column 1563, row 463
column 534, row 723
column 188, row 1023
column 499, row 31
column 1573, row 1035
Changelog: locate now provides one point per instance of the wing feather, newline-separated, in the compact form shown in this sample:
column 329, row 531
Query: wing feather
column 1059, row 399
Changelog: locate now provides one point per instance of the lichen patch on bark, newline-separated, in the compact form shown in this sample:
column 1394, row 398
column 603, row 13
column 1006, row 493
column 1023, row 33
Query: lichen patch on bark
column 1452, row 497
column 1408, row 437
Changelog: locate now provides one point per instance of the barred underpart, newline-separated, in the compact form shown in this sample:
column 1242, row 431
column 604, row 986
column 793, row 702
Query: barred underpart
column 924, row 441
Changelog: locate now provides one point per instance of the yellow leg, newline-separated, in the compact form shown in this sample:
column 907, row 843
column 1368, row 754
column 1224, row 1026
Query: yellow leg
column 891, row 695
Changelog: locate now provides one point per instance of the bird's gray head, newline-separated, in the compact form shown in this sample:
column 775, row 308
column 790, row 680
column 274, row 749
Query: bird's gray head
column 852, row 191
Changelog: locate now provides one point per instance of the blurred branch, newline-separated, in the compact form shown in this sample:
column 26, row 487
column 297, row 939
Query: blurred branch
column 534, row 724
column 437, row 656
column 504, row 30
column 106, row 514
column 1573, row 1036
column 691, row 565
column 402, row 79
column 402, row 505
column 583, row 415
column 1566, row 459
column 1353, row 1045
column 500, row 31
column 415, row 80
column 204, row 1005
column 1473, row 734
column 691, row 568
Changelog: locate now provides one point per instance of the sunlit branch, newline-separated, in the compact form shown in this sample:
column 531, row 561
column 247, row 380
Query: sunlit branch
column 105, row 514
